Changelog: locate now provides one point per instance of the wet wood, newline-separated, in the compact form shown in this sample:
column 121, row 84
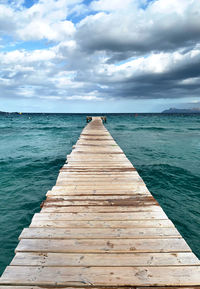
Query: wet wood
column 100, row 227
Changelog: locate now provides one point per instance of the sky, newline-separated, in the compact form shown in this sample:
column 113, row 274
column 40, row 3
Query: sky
column 99, row 55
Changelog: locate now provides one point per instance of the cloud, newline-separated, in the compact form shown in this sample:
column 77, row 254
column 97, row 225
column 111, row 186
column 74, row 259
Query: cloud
column 114, row 5
column 131, row 49
column 43, row 20
column 7, row 20
column 90, row 96
column 163, row 75
column 163, row 25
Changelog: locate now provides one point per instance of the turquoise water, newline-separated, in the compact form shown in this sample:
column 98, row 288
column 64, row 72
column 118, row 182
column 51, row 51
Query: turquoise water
column 164, row 149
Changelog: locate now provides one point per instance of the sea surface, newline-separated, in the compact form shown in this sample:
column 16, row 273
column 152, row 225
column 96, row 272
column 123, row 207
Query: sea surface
column 165, row 149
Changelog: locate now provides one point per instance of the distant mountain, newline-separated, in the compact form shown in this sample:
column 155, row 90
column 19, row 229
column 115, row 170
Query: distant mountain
column 182, row 110
column 5, row 112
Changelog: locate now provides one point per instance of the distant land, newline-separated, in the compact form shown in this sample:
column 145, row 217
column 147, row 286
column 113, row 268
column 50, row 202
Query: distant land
column 181, row 110
column 170, row 111
column 5, row 112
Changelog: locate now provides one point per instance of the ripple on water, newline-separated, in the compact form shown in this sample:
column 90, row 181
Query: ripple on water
column 162, row 148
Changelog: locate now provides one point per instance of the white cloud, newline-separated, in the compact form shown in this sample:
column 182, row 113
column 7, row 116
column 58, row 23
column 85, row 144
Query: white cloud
column 26, row 57
column 113, row 5
column 90, row 96
column 154, row 64
column 119, row 50
column 163, row 25
column 7, row 19
column 51, row 97
column 190, row 81
column 44, row 20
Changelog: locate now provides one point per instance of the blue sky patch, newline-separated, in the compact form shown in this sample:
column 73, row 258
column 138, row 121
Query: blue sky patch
column 29, row 3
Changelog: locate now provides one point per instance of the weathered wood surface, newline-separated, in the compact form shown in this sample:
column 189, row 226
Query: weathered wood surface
column 94, row 259
column 166, row 245
column 100, row 227
column 67, row 287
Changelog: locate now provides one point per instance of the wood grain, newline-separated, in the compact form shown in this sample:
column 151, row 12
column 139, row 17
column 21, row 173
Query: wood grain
column 100, row 227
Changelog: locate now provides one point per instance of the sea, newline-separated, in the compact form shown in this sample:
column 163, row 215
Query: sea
column 165, row 149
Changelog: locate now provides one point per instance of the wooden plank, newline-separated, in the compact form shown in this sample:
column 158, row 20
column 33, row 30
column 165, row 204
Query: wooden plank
column 100, row 209
column 94, row 138
column 88, row 193
column 99, row 149
column 77, row 162
column 98, row 174
column 137, row 181
column 106, row 152
column 101, row 224
column 64, row 287
column 169, row 287
column 98, row 179
column 96, row 182
column 131, row 177
column 106, row 187
column 93, row 162
column 62, row 191
column 102, row 245
column 103, row 169
column 110, row 259
column 96, row 134
column 123, row 183
column 101, row 276
column 96, row 164
column 109, row 188
column 111, row 179
column 97, row 157
column 103, row 216
column 138, row 200
column 113, row 202
column 98, row 233
column 102, row 197
column 120, row 174
column 97, row 143
column 137, row 189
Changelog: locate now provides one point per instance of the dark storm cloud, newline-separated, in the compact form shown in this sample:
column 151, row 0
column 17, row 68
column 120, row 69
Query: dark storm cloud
column 167, row 84
column 140, row 33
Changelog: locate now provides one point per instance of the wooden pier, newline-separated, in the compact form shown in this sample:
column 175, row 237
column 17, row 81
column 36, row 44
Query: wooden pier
column 100, row 227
